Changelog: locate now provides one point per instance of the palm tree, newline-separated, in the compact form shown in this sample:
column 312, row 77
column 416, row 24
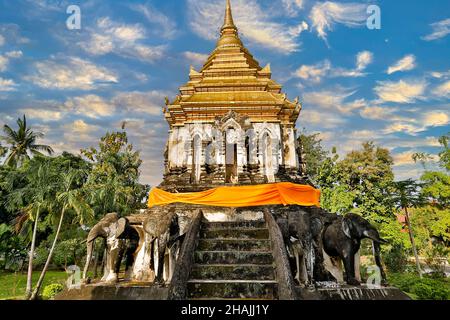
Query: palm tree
column 407, row 195
column 39, row 193
column 70, row 198
column 22, row 142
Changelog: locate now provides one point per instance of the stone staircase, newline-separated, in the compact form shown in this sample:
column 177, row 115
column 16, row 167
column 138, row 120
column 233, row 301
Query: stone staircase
column 233, row 260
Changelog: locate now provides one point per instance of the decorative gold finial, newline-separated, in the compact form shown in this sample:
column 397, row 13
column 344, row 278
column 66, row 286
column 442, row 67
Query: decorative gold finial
column 229, row 32
column 228, row 21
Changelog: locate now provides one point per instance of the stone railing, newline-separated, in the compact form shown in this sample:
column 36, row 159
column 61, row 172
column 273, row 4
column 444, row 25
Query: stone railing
column 286, row 285
column 178, row 284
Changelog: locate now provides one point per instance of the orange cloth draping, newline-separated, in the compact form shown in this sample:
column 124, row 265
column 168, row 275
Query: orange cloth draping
column 284, row 193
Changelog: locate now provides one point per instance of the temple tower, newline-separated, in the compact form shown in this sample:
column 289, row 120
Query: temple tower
column 231, row 124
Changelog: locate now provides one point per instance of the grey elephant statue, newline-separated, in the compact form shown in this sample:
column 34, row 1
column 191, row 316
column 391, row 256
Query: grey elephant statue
column 163, row 236
column 115, row 231
column 342, row 241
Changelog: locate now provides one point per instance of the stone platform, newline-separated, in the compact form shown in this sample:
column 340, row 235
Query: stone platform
column 345, row 292
column 120, row 291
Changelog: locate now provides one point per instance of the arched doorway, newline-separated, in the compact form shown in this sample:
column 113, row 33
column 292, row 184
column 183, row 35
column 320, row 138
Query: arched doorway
column 231, row 166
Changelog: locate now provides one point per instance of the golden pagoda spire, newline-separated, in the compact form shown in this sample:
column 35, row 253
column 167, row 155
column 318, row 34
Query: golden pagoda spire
column 228, row 21
column 229, row 32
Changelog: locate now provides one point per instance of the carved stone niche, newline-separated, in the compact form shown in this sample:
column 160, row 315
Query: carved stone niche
column 242, row 120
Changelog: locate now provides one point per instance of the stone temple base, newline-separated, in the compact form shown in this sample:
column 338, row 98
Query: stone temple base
column 345, row 292
column 125, row 291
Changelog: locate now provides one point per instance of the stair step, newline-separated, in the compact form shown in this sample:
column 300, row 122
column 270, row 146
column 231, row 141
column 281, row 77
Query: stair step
column 233, row 245
column 233, row 272
column 234, row 225
column 237, row 289
column 232, row 257
column 235, row 234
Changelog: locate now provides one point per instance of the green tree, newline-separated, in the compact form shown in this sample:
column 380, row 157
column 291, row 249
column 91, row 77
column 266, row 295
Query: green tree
column 22, row 143
column 114, row 180
column 313, row 153
column 70, row 197
column 360, row 182
column 406, row 194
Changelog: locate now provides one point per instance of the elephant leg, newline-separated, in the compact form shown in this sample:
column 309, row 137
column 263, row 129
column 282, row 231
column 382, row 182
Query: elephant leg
column 162, row 243
column 376, row 254
column 113, row 255
column 333, row 266
column 349, row 265
column 142, row 269
column 90, row 249
column 106, row 263
column 297, row 262
column 357, row 266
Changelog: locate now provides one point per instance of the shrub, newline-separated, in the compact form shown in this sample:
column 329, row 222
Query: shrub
column 396, row 259
column 424, row 289
column 51, row 291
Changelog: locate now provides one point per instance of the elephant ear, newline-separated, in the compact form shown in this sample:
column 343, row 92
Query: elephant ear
column 121, row 226
column 348, row 228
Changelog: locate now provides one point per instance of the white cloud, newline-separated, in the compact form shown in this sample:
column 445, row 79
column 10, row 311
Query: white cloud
column 122, row 39
column 401, row 91
column 407, row 63
column 2, row 40
column 415, row 126
column 150, row 102
column 440, row 30
column 436, row 119
column 7, row 85
column 196, row 58
column 403, row 158
column 292, row 7
column 70, row 73
column 254, row 22
column 316, row 72
column 325, row 15
column 376, row 112
column 363, row 59
column 333, row 100
column 443, row 90
column 91, row 106
column 42, row 114
column 5, row 59
column 323, row 119
column 166, row 27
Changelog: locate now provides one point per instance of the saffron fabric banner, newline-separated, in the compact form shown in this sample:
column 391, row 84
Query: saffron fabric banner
column 284, row 193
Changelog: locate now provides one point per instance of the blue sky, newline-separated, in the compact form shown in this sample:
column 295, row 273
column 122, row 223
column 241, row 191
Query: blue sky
column 391, row 85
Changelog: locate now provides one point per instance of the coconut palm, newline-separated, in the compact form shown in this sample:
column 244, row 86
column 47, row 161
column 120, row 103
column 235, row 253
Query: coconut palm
column 39, row 193
column 22, row 143
column 70, row 198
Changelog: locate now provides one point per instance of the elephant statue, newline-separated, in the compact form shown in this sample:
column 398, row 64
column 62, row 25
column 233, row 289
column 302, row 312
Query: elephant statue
column 162, row 235
column 342, row 240
column 301, row 231
column 115, row 231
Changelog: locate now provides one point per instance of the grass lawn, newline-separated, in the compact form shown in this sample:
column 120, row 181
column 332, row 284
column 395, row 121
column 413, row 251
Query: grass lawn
column 12, row 286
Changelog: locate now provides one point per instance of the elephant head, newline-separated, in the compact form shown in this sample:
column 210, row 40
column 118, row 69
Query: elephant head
column 111, row 227
column 356, row 227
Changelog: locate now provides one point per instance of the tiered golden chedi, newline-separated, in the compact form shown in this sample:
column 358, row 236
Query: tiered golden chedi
column 230, row 123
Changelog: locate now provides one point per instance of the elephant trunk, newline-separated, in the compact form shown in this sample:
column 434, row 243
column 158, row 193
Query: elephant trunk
column 374, row 235
column 90, row 249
